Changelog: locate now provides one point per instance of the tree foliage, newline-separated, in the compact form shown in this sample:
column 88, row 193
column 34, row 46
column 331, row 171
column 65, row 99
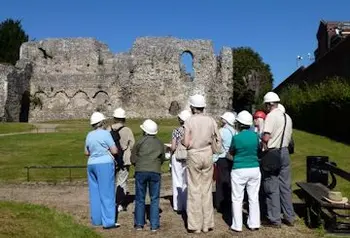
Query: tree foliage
column 252, row 78
column 12, row 36
column 322, row 108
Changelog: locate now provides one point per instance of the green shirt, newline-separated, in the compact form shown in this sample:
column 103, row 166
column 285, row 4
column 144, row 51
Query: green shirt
column 148, row 154
column 244, row 147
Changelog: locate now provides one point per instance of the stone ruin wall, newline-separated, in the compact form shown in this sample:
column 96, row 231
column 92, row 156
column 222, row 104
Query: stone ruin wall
column 70, row 78
column 14, row 81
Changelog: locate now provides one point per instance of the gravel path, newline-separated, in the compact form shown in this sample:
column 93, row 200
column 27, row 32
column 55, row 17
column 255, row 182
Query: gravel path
column 73, row 199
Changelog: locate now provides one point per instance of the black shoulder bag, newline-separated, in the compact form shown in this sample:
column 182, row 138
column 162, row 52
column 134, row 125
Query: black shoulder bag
column 271, row 160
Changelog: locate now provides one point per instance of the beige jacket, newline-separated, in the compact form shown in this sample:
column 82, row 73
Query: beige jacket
column 127, row 141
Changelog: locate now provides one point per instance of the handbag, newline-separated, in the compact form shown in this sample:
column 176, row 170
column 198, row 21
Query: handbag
column 291, row 146
column 271, row 160
column 180, row 152
column 216, row 144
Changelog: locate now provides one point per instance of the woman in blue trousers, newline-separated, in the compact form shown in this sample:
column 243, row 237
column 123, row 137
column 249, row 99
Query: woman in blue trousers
column 99, row 146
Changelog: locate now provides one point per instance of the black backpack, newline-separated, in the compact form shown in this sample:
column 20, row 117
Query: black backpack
column 119, row 156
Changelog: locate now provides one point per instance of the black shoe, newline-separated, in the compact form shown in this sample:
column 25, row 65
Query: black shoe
column 288, row 223
column 253, row 229
column 272, row 225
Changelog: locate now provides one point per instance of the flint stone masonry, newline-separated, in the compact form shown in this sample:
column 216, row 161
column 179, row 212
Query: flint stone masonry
column 14, row 83
column 69, row 78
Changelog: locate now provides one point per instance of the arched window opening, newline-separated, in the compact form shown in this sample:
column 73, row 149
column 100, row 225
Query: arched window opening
column 186, row 66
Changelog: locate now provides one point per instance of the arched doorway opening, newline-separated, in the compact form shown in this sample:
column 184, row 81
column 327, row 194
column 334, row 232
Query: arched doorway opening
column 25, row 105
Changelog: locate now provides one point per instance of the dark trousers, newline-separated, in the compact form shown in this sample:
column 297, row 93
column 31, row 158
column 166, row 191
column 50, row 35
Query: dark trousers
column 223, row 185
column 144, row 180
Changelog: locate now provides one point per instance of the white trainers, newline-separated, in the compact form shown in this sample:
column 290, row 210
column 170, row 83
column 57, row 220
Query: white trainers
column 120, row 208
column 117, row 225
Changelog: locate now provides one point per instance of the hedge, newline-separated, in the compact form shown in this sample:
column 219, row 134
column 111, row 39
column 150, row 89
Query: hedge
column 322, row 109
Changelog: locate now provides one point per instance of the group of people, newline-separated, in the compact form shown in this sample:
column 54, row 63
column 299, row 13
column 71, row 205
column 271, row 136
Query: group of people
column 244, row 161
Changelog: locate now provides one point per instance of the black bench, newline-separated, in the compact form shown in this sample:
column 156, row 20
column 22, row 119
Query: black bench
column 319, row 210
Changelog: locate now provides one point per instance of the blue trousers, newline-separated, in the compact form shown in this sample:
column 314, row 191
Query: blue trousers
column 102, row 194
column 142, row 181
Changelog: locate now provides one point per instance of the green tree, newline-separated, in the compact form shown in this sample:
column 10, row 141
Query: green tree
column 252, row 78
column 12, row 36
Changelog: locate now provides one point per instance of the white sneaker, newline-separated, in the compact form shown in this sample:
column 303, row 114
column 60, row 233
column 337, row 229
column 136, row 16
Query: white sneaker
column 120, row 208
column 117, row 225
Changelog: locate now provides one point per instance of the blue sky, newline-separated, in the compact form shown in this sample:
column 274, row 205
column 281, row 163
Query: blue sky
column 277, row 30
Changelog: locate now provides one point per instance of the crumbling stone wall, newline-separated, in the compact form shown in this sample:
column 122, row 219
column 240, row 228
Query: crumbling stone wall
column 4, row 71
column 70, row 78
column 14, row 87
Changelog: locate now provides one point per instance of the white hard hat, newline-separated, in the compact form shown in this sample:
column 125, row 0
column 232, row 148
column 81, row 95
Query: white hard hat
column 229, row 117
column 271, row 97
column 96, row 117
column 245, row 118
column 119, row 113
column 150, row 127
column 281, row 107
column 184, row 115
column 197, row 101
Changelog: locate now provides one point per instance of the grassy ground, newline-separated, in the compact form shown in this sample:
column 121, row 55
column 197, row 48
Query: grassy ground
column 63, row 148
column 14, row 127
column 309, row 144
column 66, row 148
column 25, row 220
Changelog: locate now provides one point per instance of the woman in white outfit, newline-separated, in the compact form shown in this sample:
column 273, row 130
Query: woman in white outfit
column 178, row 166
column 245, row 173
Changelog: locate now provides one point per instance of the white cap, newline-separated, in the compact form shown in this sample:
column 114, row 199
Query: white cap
column 245, row 118
column 96, row 117
column 281, row 107
column 271, row 97
column 229, row 117
column 150, row 127
column 184, row 115
column 119, row 113
column 197, row 101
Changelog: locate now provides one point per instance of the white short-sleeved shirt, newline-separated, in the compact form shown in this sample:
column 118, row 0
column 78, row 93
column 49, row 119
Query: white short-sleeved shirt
column 274, row 124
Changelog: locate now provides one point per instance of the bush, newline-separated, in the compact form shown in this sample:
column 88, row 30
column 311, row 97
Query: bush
column 322, row 109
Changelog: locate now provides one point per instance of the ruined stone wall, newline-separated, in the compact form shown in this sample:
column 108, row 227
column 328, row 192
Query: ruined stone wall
column 4, row 71
column 72, row 77
column 14, row 82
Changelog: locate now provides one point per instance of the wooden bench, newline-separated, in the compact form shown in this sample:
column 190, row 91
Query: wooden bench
column 318, row 209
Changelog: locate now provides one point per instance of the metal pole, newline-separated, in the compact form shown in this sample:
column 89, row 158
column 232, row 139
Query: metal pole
column 70, row 175
column 27, row 174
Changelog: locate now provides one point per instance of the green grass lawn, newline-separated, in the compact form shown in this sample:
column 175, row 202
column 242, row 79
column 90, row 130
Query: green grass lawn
column 309, row 144
column 26, row 220
column 63, row 148
column 66, row 148
column 15, row 127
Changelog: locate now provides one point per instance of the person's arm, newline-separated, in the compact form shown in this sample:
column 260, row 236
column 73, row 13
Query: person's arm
column 131, row 141
column 173, row 142
column 86, row 151
column 113, row 149
column 86, row 148
column 133, row 156
column 162, row 153
column 232, row 149
column 186, row 141
column 111, row 144
column 268, row 127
